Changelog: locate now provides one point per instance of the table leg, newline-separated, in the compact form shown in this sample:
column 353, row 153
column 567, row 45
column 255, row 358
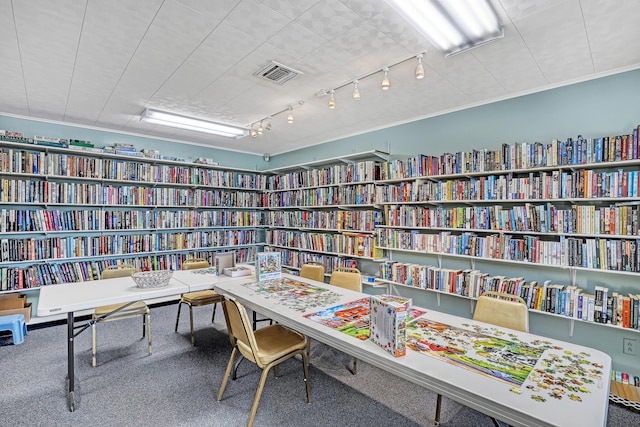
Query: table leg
column 70, row 366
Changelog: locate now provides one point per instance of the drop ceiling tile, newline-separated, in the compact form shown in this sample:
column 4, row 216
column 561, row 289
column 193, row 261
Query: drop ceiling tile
column 518, row 9
column 48, row 51
column 612, row 49
column 157, row 57
column 366, row 9
column 291, row 9
column 556, row 38
column 296, row 40
column 256, row 20
column 217, row 9
column 12, row 83
column 399, row 30
column 363, row 40
column 510, row 62
column 112, row 40
column 329, row 19
column 178, row 18
column 327, row 58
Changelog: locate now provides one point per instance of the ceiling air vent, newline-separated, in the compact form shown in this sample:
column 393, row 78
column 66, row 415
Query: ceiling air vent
column 277, row 73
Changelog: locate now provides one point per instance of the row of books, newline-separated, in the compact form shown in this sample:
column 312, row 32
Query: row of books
column 591, row 253
column 518, row 156
column 356, row 194
column 360, row 220
column 543, row 218
column 581, row 184
column 349, row 244
column 625, row 385
column 357, row 172
column 32, row 249
column 295, row 259
column 37, row 191
column 58, row 164
column 16, row 278
column 601, row 306
column 41, row 220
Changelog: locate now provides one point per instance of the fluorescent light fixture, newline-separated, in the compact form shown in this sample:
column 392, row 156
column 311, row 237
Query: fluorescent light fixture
column 452, row 26
column 191, row 123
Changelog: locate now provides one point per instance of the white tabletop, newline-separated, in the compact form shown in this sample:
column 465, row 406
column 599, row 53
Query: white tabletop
column 486, row 394
column 71, row 297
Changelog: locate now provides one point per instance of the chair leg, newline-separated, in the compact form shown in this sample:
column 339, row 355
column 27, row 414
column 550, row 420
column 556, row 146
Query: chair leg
column 355, row 366
column 178, row 317
column 144, row 325
column 213, row 318
column 193, row 338
column 235, row 368
column 256, row 399
column 93, row 345
column 225, row 379
column 148, row 317
column 438, row 407
column 305, row 367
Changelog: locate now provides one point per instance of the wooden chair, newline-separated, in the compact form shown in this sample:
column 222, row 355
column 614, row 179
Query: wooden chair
column 267, row 347
column 113, row 312
column 197, row 299
column 313, row 271
column 500, row 309
column 348, row 278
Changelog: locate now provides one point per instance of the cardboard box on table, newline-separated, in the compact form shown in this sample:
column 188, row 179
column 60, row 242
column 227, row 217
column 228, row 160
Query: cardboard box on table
column 388, row 322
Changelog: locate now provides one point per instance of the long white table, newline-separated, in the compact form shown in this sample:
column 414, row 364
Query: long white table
column 72, row 297
column 483, row 393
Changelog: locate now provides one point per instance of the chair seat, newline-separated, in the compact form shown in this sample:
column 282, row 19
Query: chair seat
column 275, row 341
column 136, row 309
column 202, row 298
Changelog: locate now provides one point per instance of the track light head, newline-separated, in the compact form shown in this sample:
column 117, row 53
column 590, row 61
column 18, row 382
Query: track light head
column 332, row 101
column 290, row 116
column 386, row 84
column 260, row 128
column 356, row 92
column 419, row 68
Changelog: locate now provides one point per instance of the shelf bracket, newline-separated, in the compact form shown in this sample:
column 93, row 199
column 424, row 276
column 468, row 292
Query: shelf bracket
column 572, row 323
column 438, row 298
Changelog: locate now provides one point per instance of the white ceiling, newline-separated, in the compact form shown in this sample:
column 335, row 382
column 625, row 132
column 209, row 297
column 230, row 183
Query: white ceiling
column 100, row 63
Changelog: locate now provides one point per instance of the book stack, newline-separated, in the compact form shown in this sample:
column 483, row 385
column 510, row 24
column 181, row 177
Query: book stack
column 50, row 142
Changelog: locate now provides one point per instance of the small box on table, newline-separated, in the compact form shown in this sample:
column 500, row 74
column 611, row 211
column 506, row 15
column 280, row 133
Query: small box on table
column 388, row 322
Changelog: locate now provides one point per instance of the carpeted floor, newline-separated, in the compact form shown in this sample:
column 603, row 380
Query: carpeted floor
column 178, row 384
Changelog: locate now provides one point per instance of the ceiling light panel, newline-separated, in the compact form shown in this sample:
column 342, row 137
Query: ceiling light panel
column 452, row 26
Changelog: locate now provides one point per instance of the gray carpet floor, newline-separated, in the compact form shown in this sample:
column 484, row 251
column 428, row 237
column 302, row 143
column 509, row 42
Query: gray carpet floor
column 178, row 384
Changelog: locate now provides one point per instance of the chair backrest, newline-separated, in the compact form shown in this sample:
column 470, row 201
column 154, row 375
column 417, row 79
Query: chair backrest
column 120, row 270
column 313, row 271
column 500, row 309
column 193, row 263
column 240, row 330
column 347, row 277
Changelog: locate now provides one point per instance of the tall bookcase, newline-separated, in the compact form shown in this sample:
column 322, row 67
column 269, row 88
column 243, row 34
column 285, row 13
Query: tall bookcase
column 325, row 211
column 568, row 205
column 67, row 214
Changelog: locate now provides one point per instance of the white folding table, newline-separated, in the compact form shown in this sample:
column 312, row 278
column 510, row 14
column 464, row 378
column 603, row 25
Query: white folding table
column 480, row 392
column 71, row 297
